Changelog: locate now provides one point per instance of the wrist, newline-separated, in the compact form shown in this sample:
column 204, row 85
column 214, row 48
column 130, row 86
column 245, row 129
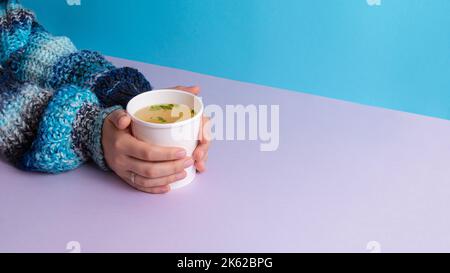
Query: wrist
column 96, row 135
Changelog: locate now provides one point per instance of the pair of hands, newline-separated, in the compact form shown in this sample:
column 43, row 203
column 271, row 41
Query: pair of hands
column 155, row 167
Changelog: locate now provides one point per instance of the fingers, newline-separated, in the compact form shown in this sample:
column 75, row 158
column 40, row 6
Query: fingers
column 201, row 165
column 205, row 131
column 191, row 89
column 148, row 185
column 120, row 119
column 145, row 182
column 200, row 152
column 205, row 141
column 154, row 170
column 201, row 156
column 144, row 151
column 154, row 190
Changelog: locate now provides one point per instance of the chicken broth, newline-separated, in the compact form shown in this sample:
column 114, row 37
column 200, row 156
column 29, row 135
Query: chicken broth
column 165, row 113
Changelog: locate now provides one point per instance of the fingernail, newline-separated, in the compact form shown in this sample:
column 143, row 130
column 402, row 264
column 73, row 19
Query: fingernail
column 181, row 154
column 180, row 176
column 188, row 163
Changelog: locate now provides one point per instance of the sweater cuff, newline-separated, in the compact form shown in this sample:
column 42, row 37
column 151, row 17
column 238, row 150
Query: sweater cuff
column 69, row 134
column 59, row 145
column 95, row 137
column 119, row 85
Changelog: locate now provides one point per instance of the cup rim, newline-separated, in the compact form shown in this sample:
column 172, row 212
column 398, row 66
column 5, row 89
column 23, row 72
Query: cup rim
column 165, row 125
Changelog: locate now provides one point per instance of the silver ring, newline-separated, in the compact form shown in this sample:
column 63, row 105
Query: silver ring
column 132, row 177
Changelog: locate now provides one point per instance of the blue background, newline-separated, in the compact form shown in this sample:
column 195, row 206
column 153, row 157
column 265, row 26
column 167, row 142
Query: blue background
column 396, row 55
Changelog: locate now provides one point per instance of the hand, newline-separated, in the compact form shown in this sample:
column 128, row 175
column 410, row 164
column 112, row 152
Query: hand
column 153, row 167
column 201, row 152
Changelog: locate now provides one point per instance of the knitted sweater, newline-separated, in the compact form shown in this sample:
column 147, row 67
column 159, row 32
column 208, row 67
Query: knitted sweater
column 53, row 97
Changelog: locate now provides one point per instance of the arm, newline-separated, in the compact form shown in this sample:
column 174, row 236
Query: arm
column 21, row 106
column 31, row 54
column 69, row 131
column 55, row 132
column 50, row 132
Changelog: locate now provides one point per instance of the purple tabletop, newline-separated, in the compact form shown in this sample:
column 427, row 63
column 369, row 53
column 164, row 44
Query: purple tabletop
column 345, row 177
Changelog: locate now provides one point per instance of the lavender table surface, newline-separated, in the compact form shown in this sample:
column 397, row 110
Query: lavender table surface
column 344, row 175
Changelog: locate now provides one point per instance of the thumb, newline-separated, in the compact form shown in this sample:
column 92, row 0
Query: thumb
column 120, row 119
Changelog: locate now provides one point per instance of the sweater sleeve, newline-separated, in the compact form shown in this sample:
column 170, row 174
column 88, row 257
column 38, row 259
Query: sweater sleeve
column 48, row 131
column 69, row 132
column 21, row 107
column 32, row 54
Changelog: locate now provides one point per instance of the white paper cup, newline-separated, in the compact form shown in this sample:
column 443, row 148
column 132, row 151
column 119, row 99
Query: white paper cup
column 182, row 134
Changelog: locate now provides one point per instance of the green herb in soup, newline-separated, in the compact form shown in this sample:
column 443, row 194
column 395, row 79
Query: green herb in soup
column 165, row 113
column 162, row 107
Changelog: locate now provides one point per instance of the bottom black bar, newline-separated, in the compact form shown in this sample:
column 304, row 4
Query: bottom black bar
column 215, row 262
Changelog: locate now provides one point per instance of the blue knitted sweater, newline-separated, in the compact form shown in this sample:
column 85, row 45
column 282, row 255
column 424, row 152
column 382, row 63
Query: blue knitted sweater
column 53, row 97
